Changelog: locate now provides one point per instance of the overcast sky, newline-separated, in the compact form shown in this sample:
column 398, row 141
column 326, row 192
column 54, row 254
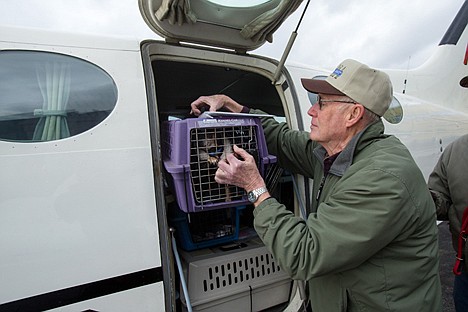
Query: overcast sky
column 382, row 33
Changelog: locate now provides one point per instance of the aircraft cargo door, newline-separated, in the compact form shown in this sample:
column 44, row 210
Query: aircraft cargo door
column 225, row 265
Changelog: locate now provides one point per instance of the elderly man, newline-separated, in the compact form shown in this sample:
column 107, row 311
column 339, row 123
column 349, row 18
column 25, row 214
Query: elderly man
column 370, row 243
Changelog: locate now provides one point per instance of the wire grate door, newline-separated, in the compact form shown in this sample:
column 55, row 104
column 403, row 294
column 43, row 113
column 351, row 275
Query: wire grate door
column 209, row 146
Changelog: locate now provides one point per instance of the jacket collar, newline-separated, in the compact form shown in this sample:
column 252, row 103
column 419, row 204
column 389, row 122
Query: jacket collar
column 358, row 142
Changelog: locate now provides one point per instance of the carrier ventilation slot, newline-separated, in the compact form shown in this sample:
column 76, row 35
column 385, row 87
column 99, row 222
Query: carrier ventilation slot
column 240, row 271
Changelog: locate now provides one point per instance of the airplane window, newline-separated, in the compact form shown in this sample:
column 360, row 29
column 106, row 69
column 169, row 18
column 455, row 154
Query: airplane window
column 48, row 96
column 394, row 113
column 464, row 82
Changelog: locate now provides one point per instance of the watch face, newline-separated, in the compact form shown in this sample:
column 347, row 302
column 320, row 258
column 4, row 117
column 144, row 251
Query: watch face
column 251, row 196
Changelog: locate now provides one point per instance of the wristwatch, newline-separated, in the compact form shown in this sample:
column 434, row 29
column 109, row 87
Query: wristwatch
column 255, row 194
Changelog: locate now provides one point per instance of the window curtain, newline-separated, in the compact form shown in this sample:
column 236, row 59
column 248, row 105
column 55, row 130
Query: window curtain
column 263, row 27
column 176, row 12
column 54, row 82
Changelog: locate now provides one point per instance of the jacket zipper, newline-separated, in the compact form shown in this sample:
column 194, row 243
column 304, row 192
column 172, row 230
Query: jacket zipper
column 319, row 192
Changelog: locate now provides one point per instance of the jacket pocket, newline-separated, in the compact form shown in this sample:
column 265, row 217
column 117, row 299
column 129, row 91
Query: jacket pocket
column 344, row 300
column 351, row 304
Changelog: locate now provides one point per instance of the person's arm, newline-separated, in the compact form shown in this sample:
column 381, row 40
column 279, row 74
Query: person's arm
column 214, row 103
column 288, row 146
column 438, row 186
column 343, row 234
column 293, row 148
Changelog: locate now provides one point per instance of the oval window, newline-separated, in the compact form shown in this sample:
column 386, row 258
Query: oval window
column 394, row 113
column 48, row 96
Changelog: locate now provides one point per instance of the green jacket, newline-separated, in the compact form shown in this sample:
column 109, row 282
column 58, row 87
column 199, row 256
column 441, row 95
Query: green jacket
column 449, row 183
column 371, row 242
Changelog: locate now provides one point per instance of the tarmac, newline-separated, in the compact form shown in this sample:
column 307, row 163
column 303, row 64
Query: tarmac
column 447, row 260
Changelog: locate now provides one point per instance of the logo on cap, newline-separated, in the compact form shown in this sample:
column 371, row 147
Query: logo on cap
column 338, row 71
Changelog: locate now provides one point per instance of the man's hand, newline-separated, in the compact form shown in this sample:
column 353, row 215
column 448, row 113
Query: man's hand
column 214, row 103
column 240, row 169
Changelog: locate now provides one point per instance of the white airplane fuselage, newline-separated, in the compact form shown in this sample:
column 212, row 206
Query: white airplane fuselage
column 84, row 217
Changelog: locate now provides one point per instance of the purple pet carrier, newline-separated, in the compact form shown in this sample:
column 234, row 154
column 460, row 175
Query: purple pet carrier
column 192, row 149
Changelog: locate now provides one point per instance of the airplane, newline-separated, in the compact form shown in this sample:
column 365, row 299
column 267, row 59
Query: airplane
column 98, row 210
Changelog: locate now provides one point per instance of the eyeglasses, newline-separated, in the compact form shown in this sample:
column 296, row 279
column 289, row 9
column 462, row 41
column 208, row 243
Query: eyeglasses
column 321, row 102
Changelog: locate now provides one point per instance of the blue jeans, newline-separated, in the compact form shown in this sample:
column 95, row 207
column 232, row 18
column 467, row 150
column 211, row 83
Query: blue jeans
column 460, row 292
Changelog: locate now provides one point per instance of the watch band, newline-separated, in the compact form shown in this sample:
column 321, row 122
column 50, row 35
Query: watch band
column 255, row 194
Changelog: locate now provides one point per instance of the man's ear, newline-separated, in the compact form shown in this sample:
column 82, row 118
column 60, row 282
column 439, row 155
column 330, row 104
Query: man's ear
column 355, row 114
